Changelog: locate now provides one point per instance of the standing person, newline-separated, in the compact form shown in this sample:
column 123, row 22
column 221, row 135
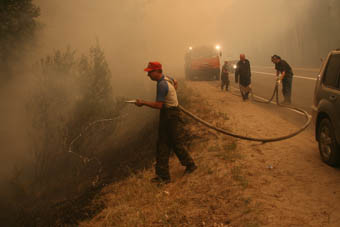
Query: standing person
column 243, row 75
column 283, row 68
column 169, row 124
column 225, row 76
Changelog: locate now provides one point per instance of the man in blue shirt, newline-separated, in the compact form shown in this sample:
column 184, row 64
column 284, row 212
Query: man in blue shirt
column 169, row 124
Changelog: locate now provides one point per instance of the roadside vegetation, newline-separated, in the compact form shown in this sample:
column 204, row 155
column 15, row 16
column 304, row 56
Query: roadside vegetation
column 70, row 94
column 18, row 33
column 76, row 145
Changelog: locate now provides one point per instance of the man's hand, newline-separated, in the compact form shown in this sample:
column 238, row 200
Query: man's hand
column 278, row 81
column 139, row 102
column 154, row 105
column 283, row 74
column 175, row 84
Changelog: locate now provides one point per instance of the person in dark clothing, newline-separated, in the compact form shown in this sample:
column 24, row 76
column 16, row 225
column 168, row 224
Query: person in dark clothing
column 283, row 68
column 243, row 76
column 225, row 76
column 170, row 130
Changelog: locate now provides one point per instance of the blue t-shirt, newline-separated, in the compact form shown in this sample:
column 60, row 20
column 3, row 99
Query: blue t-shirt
column 166, row 92
column 162, row 90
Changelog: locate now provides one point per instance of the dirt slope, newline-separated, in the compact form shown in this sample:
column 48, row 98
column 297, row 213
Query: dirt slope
column 238, row 183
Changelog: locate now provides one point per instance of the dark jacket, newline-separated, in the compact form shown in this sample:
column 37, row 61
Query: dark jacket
column 283, row 66
column 243, row 72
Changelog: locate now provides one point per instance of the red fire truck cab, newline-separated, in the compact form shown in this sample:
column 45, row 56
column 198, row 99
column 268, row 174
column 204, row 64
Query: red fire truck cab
column 203, row 63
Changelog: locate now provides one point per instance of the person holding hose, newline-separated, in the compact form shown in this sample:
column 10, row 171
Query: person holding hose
column 169, row 130
column 283, row 68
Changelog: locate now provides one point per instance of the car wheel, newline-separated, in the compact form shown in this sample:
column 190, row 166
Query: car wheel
column 328, row 146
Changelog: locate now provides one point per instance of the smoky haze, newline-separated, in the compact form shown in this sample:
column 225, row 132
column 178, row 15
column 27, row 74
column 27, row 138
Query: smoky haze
column 133, row 32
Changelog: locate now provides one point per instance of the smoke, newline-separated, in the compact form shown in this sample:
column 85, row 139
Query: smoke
column 299, row 31
column 133, row 32
column 13, row 137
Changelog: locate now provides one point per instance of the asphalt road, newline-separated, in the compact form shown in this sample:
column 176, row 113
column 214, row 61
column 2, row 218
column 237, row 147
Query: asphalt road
column 263, row 82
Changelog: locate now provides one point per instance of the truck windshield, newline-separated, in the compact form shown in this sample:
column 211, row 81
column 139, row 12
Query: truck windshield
column 203, row 52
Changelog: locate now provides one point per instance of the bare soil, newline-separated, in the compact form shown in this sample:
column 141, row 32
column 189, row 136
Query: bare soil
column 238, row 183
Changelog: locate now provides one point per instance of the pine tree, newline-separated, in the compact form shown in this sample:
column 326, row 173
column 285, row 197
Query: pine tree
column 17, row 30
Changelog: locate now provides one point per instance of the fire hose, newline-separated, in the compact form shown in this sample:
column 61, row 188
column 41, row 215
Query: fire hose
column 209, row 125
column 263, row 140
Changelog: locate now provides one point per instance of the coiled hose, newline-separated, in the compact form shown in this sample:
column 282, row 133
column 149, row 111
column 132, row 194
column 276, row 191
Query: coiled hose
column 263, row 140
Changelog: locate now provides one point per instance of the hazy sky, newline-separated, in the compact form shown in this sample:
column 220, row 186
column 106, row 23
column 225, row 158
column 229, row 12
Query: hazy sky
column 140, row 30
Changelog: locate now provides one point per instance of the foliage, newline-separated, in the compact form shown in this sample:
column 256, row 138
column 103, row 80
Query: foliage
column 71, row 162
column 17, row 29
column 71, row 93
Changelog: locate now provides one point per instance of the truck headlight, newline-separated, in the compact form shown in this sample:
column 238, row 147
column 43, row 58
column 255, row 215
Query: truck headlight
column 234, row 66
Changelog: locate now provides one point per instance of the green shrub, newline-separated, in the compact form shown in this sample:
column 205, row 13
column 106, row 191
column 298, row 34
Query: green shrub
column 71, row 94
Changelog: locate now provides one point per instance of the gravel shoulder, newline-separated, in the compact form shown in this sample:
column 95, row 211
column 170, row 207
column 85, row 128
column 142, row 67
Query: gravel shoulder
column 288, row 179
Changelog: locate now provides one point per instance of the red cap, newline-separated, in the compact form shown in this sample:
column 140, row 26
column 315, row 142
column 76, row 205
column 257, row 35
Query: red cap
column 153, row 66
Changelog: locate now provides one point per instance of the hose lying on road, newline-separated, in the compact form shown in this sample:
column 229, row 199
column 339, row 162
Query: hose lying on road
column 263, row 140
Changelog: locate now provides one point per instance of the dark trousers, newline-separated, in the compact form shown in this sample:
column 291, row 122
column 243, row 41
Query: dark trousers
column 245, row 90
column 226, row 84
column 225, row 81
column 287, row 88
column 245, row 95
column 170, row 137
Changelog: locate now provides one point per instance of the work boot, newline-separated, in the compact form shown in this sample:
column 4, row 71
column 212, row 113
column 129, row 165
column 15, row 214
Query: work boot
column 160, row 180
column 247, row 96
column 190, row 169
column 243, row 97
column 285, row 102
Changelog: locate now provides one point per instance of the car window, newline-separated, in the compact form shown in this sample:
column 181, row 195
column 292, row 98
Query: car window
column 331, row 75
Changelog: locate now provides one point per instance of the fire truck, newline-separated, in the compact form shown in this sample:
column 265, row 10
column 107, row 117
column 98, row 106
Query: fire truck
column 203, row 63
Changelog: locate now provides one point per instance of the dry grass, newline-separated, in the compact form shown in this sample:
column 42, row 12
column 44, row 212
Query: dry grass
column 214, row 195
column 211, row 196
